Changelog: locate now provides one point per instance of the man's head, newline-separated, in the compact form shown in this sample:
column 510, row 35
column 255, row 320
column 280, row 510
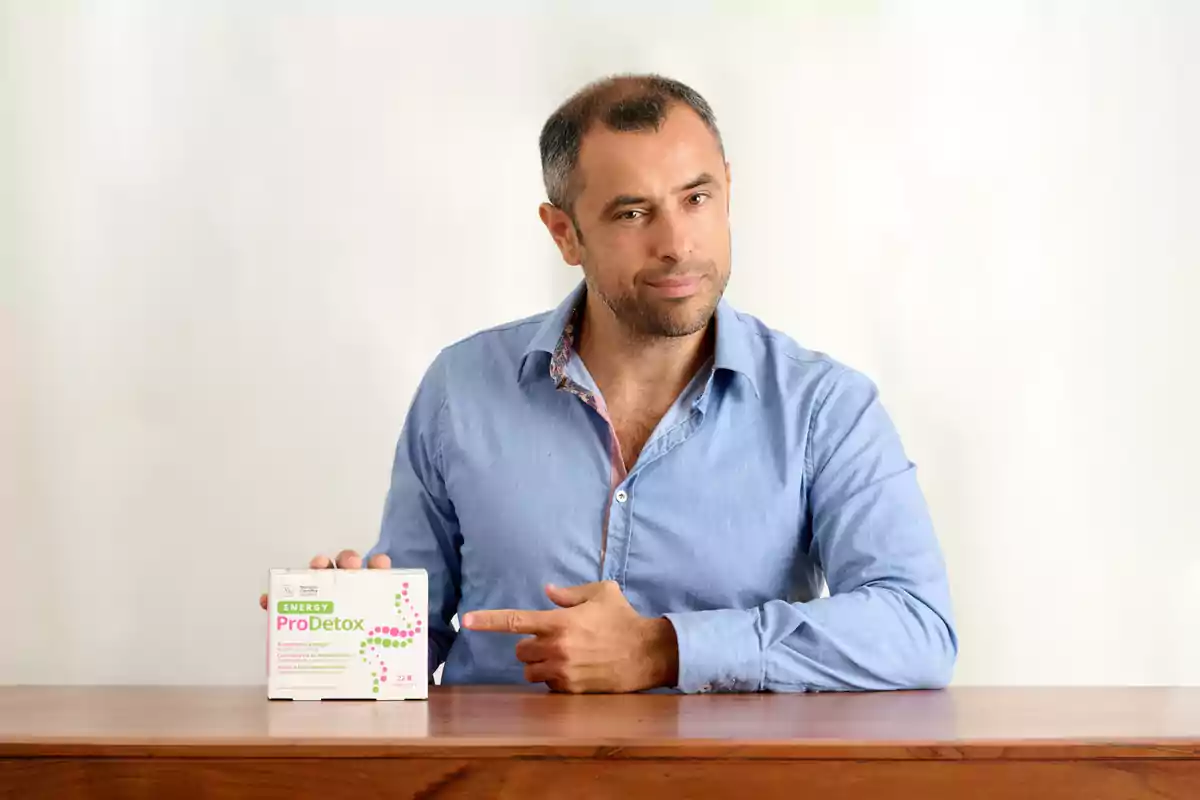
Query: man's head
column 638, row 187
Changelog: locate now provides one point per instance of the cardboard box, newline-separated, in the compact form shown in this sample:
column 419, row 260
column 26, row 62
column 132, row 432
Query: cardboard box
column 338, row 634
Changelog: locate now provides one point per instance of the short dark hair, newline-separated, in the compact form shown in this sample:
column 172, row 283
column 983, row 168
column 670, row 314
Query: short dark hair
column 622, row 103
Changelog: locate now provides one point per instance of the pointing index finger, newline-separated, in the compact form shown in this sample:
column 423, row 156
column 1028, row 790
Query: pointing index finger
column 509, row 620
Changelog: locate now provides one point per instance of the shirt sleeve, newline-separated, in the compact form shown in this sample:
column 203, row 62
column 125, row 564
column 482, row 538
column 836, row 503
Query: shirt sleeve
column 420, row 529
column 887, row 623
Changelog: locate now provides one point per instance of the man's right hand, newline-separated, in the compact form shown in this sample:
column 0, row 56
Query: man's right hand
column 347, row 559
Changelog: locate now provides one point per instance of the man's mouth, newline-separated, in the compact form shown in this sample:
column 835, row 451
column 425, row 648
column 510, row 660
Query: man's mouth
column 676, row 285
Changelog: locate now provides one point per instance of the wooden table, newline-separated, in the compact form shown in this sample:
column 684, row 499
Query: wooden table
column 524, row 743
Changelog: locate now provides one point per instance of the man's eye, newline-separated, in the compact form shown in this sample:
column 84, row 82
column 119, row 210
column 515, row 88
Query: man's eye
column 699, row 198
column 632, row 213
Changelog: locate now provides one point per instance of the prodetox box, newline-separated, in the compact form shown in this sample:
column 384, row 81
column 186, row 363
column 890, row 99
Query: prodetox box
column 348, row 634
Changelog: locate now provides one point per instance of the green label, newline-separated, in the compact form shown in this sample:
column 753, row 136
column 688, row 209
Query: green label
column 305, row 607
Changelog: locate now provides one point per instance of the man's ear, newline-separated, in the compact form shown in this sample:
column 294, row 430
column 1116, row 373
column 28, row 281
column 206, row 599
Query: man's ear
column 562, row 230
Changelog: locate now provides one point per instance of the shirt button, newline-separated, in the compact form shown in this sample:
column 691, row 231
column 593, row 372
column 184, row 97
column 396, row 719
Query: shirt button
column 621, row 496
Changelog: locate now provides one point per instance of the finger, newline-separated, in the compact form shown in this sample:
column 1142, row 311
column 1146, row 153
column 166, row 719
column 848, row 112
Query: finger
column 563, row 678
column 537, row 648
column 262, row 601
column 349, row 559
column 512, row 621
column 559, row 679
column 543, row 672
column 570, row 596
column 380, row 561
column 320, row 562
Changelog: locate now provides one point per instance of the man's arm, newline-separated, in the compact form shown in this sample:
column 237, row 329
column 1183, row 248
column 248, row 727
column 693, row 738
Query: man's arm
column 420, row 528
column 887, row 623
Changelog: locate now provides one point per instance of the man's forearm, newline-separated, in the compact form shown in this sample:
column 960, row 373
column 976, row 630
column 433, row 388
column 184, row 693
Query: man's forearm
column 877, row 637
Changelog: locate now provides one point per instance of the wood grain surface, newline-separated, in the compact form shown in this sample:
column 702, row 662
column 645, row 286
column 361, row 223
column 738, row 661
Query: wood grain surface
column 144, row 742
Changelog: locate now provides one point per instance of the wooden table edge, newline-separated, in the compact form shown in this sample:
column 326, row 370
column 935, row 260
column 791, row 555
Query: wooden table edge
column 625, row 750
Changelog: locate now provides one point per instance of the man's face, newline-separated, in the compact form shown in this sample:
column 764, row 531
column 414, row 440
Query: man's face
column 653, row 211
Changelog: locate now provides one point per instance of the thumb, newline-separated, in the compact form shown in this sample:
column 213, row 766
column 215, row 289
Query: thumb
column 570, row 596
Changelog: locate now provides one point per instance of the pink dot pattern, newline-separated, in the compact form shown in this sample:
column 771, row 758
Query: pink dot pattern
column 383, row 638
column 409, row 616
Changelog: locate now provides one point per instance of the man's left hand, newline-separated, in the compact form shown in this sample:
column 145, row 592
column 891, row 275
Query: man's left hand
column 594, row 642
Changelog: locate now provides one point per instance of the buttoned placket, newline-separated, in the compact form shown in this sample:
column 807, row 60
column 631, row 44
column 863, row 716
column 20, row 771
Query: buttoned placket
column 617, row 531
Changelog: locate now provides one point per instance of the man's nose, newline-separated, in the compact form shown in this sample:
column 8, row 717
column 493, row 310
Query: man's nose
column 672, row 238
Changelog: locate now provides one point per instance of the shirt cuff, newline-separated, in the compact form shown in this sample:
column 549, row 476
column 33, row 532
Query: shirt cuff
column 719, row 651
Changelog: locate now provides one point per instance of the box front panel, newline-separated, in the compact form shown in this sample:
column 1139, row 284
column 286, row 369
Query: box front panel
column 341, row 634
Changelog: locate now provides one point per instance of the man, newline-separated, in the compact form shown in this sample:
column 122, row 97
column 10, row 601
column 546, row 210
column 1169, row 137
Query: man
column 645, row 488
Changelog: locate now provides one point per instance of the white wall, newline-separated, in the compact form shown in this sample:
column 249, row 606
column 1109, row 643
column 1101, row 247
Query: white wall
column 232, row 240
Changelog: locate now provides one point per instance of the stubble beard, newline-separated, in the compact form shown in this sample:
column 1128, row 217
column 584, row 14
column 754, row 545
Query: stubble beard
column 666, row 318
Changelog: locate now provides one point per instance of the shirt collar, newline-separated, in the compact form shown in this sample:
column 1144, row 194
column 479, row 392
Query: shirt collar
column 733, row 350
column 550, row 332
column 733, row 345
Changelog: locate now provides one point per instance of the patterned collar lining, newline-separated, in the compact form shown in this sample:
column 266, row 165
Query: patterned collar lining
column 562, row 356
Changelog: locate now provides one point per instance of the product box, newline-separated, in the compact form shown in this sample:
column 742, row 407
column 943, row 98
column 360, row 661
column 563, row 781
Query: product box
column 340, row 634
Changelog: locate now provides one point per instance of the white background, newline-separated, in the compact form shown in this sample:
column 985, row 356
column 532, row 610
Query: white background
column 232, row 240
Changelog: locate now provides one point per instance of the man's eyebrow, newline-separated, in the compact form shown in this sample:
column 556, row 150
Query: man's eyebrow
column 633, row 200
column 621, row 200
column 699, row 180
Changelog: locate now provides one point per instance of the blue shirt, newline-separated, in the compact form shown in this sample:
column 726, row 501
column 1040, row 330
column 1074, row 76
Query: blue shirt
column 775, row 474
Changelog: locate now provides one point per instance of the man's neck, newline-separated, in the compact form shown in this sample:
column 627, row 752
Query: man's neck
column 634, row 368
